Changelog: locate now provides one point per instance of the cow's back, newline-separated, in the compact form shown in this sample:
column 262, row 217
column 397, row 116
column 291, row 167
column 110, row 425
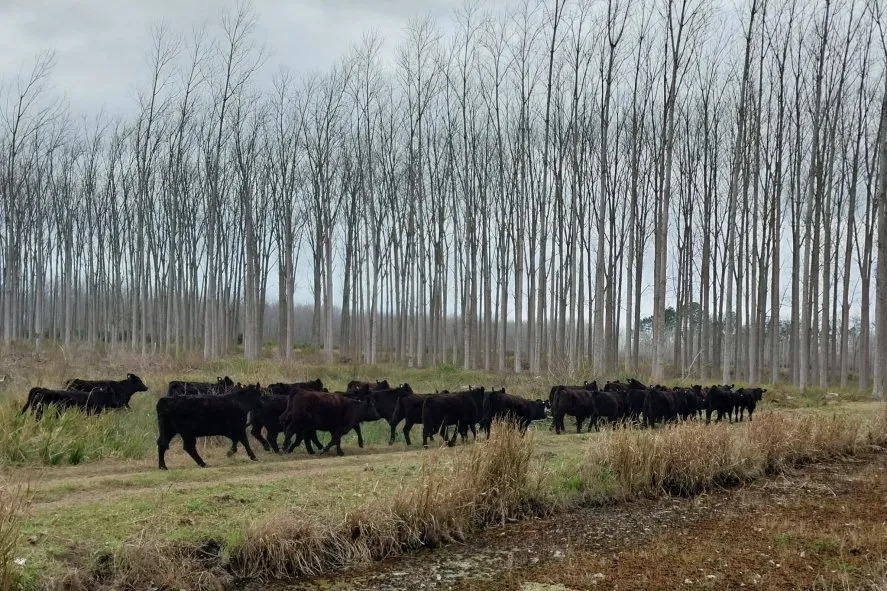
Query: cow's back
column 202, row 416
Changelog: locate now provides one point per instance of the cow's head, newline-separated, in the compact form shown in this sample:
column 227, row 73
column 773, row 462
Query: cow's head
column 362, row 391
column 538, row 409
column 402, row 390
column 225, row 384
column 366, row 409
column 136, row 383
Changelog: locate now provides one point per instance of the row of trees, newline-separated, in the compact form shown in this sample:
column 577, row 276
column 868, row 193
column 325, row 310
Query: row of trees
column 508, row 195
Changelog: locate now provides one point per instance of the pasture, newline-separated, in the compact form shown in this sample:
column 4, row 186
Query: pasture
column 99, row 511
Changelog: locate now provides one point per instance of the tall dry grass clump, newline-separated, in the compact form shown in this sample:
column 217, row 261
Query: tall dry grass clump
column 457, row 493
column 13, row 504
column 687, row 458
column 676, row 460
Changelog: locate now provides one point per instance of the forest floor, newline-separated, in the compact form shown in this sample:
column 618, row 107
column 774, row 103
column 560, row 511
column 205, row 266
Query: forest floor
column 81, row 514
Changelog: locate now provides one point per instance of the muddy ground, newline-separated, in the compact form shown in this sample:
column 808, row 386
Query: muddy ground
column 820, row 527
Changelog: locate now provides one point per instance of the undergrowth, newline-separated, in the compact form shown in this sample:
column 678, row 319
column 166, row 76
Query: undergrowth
column 13, row 504
column 688, row 458
column 460, row 492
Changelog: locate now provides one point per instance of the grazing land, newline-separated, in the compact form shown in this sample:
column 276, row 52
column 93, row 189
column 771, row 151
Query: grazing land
column 99, row 511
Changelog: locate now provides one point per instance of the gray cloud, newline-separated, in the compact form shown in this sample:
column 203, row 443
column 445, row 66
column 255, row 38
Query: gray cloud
column 101, row 47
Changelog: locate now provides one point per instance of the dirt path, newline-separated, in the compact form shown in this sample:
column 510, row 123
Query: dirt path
column 110, row 482
column 819, row 526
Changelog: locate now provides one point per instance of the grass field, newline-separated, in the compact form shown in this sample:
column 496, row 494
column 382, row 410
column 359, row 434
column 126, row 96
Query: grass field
column 99, row 508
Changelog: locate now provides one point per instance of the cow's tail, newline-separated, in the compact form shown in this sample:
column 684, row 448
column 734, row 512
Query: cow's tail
column 163, row 429
column 29, row 403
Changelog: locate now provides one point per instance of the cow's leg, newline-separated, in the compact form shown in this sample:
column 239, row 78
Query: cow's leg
column 406, row 432
column 463, row 431
column 249, row 450
column 309, row 438
column 579, row 420
column 393, row 436
column 256, row 432
column 452, row 441
column 426, row 432
column 337, row 441
column 558, row 422
column 473, row 431
column 359, row 436
column 707, row 416
column 190, row 445
column 272, row 441
column 288, row 445
column 443, row 427
column 162, row 446
column 233, row 449
column 524, row 424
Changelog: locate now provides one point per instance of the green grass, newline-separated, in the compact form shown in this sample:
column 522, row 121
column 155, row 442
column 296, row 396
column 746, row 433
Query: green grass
column 96, row 486
column 73, row 439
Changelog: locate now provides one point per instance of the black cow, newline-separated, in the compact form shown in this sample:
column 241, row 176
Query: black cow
column 720, row 400
column 660, row 405
column 608, row 407
column 409, row 409
column 633, row 399
column 462, row 409
column 89, row 402
column 203, row 416
column 124, row 389
column 385, row 400
column 689, row 401
column 552, row 394
column 377, row 385
column 267, row 417
column 220, row 386
column 616, row 386
column 317, row 411
column 575, row 402
column 747, row 399
column 499, row 405
column 285, row 389
column 633, row 383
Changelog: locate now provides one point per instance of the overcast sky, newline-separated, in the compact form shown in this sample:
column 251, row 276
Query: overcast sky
column 101, row 45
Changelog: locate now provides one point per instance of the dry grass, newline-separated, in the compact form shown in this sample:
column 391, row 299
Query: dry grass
column 688, row 458
column 456, row 494
column 875, row 579
column 13, row 504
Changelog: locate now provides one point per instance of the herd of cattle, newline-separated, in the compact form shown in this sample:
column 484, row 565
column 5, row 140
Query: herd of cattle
column 299, row 410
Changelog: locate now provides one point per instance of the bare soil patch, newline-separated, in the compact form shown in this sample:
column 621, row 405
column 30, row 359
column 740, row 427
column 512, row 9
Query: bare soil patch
column 823, row 526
